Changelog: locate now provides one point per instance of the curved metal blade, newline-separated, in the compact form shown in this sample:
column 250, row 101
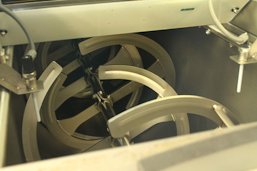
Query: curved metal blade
column 152, row 81
column 29, row 125
column 134, row 117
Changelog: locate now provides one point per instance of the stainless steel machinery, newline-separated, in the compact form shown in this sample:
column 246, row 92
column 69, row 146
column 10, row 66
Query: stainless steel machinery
column 82, row 78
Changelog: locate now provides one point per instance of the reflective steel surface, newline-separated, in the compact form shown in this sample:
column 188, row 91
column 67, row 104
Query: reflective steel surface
column 246, row 20
column 32, row 4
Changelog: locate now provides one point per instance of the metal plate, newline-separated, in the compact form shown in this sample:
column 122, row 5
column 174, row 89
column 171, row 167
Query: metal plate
column 88, row 20
column 12, row 80
column 247, row 18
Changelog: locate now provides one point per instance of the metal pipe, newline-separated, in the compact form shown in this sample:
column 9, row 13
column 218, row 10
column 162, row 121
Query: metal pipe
column 32, row 51
column 240, row 78
column 4, row 111
column 238, row 39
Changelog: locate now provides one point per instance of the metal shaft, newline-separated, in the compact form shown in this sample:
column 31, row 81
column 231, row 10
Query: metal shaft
column 240, row 78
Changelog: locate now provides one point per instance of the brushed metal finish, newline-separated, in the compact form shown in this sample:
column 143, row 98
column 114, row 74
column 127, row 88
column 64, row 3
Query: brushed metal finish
column 247, row 18
column 241, row 39
column 155, row 83
column 203, row 68
column 138, row 41
column 223, row 114
column 29, row 126
column 88, row 20
column 162, row 60
column 64, row 130
column 222, row 149
column 32, row 4
column 134, row 117
column 13, row 81
column 142, row 76
column 4, row 112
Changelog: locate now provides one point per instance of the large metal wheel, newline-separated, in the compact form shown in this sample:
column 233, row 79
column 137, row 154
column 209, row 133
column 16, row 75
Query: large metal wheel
column 135, row 117
column 79, row 129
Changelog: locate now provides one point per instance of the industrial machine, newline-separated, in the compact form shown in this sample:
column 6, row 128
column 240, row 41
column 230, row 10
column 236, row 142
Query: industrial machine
column 170, row 82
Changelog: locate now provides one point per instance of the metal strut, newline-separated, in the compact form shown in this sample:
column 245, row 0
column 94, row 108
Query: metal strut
column 104, row 102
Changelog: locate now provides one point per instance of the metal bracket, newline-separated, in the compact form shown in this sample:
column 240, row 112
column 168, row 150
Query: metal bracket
column 247, row 53
column 244, row 56
column 29, row 126
column 236, row 59
column 12, row 80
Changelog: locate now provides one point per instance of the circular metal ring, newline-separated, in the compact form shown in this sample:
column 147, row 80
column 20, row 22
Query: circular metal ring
column 128, row 41
column 162, row 60
column 139, row 41
column 56, row 97
column 134, row 117
column 162, row 88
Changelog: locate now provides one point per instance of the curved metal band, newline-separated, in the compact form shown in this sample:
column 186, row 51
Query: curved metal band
column 134, row 117
column 134, row 60
column 147, row 78
column 29, row 125
column 152, row 81
column 63, row 130
column 161, row 87
column 139, row 41
column 53, row 124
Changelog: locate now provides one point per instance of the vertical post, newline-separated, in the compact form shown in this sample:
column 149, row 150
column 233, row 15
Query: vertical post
column 240, row 78
column 4, row 108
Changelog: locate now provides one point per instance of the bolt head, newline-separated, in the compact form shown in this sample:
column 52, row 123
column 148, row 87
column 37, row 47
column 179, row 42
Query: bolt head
column 208, row 32
column 235, row 10
column 3, row 32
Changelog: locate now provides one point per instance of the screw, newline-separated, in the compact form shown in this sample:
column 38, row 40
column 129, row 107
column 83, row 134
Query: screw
column 3, row 32
column 235, row 10
column 208, row 32
column 2, row 79
column 18, row 88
